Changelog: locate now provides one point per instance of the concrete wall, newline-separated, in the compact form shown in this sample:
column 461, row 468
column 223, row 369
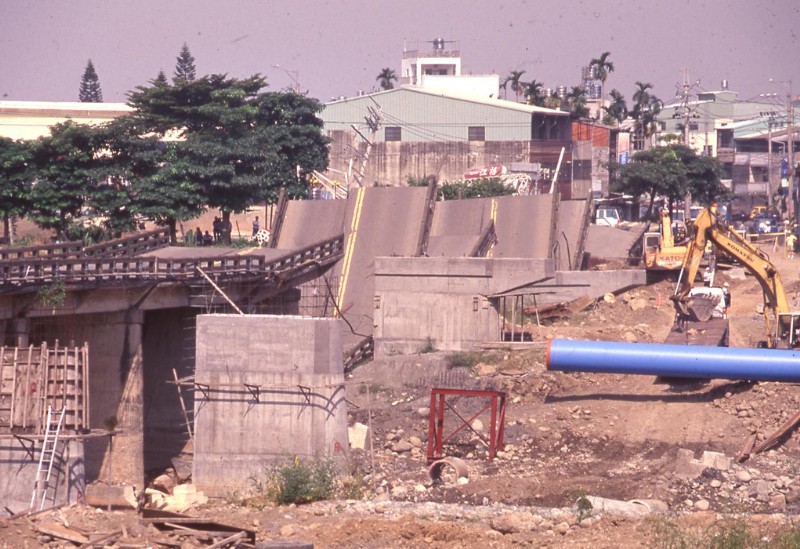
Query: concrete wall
column 443, row 301
column 115, row 386
column 18, row 474
column 236, row 435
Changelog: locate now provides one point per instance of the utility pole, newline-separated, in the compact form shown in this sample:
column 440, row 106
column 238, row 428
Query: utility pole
column 769, row 158
column 687, row 199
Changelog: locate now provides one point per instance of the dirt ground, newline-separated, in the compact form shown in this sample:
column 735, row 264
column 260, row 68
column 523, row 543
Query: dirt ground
column 568, row 437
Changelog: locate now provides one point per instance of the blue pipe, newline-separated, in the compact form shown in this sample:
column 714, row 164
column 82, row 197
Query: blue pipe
column 611, row 357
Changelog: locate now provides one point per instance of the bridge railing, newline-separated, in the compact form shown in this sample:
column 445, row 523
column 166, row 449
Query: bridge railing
column 126, row 246
column 42, row 270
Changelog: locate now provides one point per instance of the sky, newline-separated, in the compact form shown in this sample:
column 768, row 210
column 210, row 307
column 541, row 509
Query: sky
column 336, row 48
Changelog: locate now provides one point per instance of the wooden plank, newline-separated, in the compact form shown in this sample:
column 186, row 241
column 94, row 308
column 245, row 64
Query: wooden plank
column 13, row 386
column 40, row 403
column 778, row 434
column 86, row 400
column 747, row 448
column 61, row 532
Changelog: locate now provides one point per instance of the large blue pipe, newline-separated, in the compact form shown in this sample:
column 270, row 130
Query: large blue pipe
column 612, row 357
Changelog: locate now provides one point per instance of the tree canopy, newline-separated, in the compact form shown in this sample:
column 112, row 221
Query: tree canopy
column 233, row 145
column 90, row 91
column 670, row 172
column 14, row 187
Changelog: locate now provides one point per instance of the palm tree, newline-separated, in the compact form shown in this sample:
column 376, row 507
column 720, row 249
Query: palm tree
column 515, row 78
column 386, row 77
column 576, row 102
column 533, row 93
column 645, row 112
column 504, row 85
column 617, row 110
column 602, row 66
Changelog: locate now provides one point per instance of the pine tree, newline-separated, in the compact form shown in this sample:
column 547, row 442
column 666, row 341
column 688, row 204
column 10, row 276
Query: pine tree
column 160, row 79
column 90, row 91
column 184, row 68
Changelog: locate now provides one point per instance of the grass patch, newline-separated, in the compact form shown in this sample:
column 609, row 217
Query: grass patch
column 729, row 533
column 462, row 359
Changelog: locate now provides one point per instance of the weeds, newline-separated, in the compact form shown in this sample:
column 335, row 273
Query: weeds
column 462, row 359
column 427, row 347
column 53, row 295
column 296, row 482
column 583, row 505
column 374, row 388
column 730, row 533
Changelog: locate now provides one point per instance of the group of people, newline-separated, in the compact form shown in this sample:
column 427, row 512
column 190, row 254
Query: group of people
column 200, row 238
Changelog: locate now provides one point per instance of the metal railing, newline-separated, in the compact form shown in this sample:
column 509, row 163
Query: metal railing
column 80, row 270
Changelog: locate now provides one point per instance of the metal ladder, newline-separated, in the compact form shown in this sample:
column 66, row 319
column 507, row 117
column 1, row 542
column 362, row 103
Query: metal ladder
column 47, row 456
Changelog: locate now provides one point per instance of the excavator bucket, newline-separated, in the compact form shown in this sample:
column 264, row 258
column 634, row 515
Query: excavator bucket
column 699, row 308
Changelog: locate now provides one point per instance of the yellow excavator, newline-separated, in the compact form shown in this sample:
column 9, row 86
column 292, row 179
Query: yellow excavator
column 782, row 325
column 660, row 251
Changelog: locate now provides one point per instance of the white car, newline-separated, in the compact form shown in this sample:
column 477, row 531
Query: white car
column 607, row 216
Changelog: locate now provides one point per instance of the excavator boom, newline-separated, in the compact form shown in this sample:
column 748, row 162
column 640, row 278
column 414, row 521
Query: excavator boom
column 708, row 228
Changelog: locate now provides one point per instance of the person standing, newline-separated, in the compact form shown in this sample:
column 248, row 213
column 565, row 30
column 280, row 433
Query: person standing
column 217, row 228
column 791, row 242
column 256, row 226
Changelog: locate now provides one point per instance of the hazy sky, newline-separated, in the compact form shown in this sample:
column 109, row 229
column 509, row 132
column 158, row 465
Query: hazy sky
column 338, row 47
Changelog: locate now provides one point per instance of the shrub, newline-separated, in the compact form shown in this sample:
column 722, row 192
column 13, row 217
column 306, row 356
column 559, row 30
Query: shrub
column 298, row 482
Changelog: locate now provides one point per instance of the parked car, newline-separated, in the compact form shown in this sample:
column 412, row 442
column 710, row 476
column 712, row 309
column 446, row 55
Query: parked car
column 607, row 216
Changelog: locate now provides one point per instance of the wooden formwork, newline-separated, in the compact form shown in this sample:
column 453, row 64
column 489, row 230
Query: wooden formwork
column 33, row 378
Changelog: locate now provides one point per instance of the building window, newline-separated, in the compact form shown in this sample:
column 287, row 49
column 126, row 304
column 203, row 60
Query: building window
column 392, row 133
column 476, row 133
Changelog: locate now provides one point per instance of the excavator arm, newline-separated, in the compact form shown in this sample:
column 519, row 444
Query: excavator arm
column 707, row 227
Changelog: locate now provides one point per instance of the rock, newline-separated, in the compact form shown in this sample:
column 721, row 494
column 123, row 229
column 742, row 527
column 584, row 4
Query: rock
column 702, row 505
column 420, row 488
column 512, row 522
column 402, row 446
column 477, row 425
column 716, row 460
column 400, row 490
column 793, row 495
column 562, row 528
column 423, row 412
column 686, row 467
column 715, row 483
column 416, row 442
column 630, row 337
column 744, row 476
column 486, row 370
column 381, row 507
column 638, row 304
column 777, row 501
column 287, row 531
column 358, row 435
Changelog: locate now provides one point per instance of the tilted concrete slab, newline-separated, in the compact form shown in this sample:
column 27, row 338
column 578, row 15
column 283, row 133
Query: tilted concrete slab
column 570, row 239
column 525, row 226
column 269, row 388
column 380, row 222
column 309, row 221
column 457, row 226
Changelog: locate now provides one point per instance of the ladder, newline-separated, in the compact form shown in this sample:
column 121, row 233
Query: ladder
column 47, row 456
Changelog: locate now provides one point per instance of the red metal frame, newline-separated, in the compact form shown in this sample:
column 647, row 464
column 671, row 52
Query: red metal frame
column 436, row 436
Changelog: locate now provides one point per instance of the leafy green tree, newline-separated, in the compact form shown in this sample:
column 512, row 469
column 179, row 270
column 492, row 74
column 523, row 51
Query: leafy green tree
column 385, row 78
column 236, row 146
column 617, row 110
column 670, row 171
column 533, row 93
column 90, row 91
column 63, row 166
column 517, row 85
column 184, row 66
column 602, row 66
column 14, row 183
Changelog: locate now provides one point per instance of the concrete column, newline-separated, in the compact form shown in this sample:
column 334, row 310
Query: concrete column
column 22, row 330
column 125, row 462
